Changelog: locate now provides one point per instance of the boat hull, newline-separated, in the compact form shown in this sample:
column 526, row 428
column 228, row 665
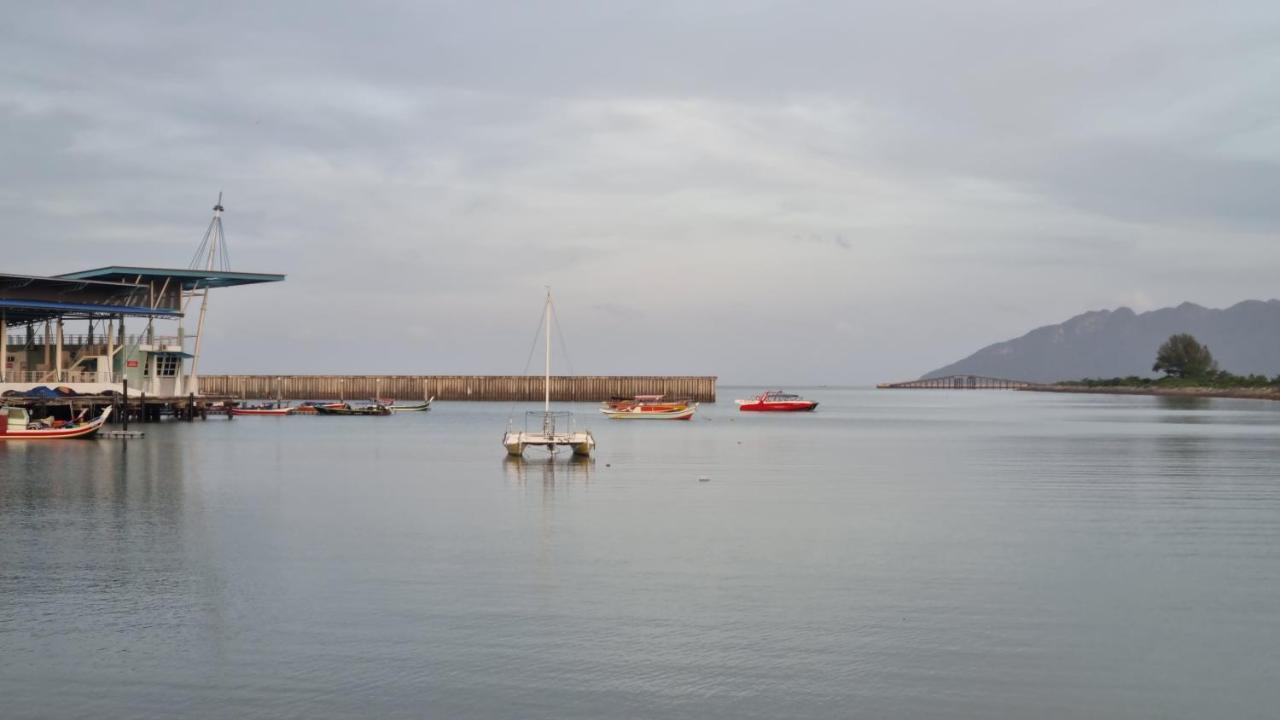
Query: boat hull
column 582, row 443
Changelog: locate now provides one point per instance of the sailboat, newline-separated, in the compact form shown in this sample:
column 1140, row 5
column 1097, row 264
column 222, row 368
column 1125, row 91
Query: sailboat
column 549, row 429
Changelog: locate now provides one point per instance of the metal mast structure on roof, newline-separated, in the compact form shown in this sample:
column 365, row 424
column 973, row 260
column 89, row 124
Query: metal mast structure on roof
column 211, row 255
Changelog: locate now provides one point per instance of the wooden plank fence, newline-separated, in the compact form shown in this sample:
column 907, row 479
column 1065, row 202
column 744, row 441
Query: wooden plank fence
column 455, row 387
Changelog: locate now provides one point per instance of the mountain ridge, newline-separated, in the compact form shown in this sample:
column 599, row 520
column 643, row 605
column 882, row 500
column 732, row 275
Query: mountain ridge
column 1245, row 338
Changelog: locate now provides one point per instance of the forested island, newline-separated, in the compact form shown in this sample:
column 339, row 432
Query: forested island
column 1189, row 370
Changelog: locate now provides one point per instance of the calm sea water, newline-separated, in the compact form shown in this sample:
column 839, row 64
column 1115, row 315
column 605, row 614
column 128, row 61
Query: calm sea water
column 896, row 554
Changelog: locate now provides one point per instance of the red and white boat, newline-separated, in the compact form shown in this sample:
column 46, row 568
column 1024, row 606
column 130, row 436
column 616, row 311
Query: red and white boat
column 776, row 401
column 263, row 410
column 16, row 424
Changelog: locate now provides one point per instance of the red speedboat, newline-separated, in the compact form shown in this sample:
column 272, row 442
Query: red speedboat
column 776, row 401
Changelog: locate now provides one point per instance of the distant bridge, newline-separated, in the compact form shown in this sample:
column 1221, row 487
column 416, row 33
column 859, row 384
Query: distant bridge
column 958, row 382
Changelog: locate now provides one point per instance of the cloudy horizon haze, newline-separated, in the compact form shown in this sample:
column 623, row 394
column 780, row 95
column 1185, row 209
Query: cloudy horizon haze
column 833, row 192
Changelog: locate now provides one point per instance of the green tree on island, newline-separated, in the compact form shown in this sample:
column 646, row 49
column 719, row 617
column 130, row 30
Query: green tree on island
column 1184, row 357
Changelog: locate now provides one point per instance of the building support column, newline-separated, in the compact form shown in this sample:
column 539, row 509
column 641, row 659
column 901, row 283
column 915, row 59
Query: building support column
column 47, row 340
column 178, row 385
column 111, row 351
column 58, row 353
column 4, row 346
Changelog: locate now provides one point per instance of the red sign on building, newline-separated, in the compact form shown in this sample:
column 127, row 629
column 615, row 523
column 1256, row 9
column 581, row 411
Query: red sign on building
column 131, row 363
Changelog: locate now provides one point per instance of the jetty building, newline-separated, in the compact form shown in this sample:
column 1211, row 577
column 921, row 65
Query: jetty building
column 91, row 331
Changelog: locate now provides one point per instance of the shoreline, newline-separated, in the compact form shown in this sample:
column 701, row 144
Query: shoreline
column 1200, row 392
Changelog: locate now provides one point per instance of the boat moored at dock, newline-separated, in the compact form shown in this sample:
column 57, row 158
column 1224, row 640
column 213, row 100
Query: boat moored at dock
column 345, row 409
column 309, row 407
column 776, row 401
column 262, row 410
column 16, row 424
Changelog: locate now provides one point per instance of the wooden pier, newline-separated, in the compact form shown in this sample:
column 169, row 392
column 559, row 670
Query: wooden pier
column 958, row 382
column 139, row 408
column 456, row 387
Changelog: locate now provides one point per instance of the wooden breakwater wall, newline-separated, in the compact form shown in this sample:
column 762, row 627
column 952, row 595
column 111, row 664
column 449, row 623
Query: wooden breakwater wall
column 577, row 388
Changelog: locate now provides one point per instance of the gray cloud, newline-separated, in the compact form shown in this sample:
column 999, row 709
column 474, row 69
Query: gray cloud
column 421, row 170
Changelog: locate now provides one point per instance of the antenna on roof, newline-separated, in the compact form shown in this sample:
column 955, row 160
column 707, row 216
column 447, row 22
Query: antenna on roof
column 212, row 253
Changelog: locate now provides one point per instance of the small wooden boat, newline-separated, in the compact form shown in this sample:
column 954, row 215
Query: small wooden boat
column 645, row 412
column 418, row 407
column 16, row 424
column 309, row 407
column 648, row 407
column 776, row 401
column 345, row 409
column 262, row 410
column 649, row 403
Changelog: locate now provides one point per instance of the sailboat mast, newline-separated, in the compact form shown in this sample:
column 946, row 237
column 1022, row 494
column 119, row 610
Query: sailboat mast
column 546, row 379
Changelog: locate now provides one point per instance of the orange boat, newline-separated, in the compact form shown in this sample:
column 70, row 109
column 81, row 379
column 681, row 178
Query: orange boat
column 646, row 403
column 648, row 407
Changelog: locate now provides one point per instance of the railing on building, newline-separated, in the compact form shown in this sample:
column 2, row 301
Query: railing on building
column 19, row 341
column 53, row 377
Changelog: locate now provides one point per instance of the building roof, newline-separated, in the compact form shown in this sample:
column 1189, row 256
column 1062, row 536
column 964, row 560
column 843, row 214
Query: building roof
column 28, row 298
column 190, row 279
column 23, row 311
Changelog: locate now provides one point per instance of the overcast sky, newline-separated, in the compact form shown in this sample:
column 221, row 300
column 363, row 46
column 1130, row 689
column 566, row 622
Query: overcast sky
column 774, row 193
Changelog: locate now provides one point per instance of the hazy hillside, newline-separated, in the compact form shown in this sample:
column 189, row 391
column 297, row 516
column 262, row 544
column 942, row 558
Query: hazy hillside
column 1245, row 338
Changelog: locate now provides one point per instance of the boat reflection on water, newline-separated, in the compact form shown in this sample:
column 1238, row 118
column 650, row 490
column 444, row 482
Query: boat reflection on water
column 573, row 469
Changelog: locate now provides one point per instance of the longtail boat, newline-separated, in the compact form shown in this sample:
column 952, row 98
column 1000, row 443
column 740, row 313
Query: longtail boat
column 345, row 409
column 309, row 407
column 16, row 424
column 423, row 406
column 262, row 410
